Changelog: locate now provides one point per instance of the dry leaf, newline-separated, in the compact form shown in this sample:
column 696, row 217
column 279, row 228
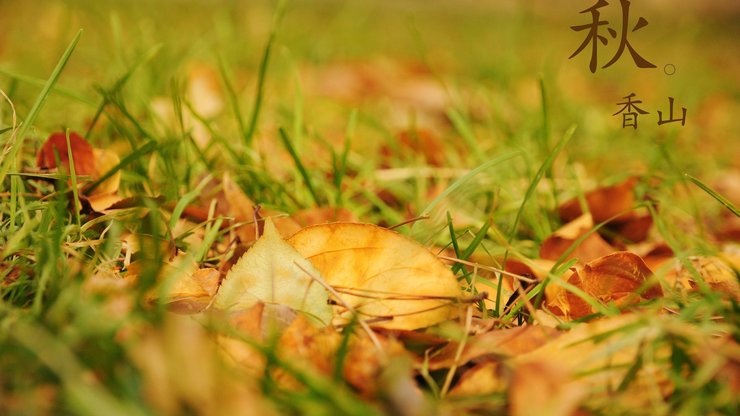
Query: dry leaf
column 56, row 146
column 616, row 277
column 273, row 272
column 308, row 347
column 181, row 372
column 603, row 203
column 607, row 203
column 500, row 343
column 544, row 388
column 105, row 160
column 247, row 323
column 600, row 353
column 591, row 248
column 715, row 273
column 484, row 378
column 316, row 349
column 381, row 274
column 192, row 294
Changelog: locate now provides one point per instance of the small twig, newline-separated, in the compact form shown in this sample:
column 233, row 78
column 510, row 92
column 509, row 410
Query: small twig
column 489, row 268
column 363, row 324
column 458, row 353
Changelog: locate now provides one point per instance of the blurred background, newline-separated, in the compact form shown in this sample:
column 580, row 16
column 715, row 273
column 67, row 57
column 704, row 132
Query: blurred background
column 405, row 62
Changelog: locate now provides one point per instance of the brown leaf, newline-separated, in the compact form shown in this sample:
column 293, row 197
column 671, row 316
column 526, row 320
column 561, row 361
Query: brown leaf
column 603, row 203
column 500, row 343
column 381, row 273
column 315, row 348
column 616, row 277
column 599, row 354
column 592, row 247
column 715, row 273
column 608, row 202
column 56, row 146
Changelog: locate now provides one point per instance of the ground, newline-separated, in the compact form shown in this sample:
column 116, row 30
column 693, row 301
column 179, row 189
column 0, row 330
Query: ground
column 397, row 207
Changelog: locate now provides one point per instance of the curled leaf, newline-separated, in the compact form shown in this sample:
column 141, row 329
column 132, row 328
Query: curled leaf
column 381, row 274
column 618, row 277
column 614, row 204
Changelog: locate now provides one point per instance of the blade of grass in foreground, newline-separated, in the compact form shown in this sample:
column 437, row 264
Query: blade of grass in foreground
column 714, row 194
column 11, row 149
column 530, row 191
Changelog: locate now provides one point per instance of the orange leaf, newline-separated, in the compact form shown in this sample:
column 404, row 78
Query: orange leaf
column 56, row 146
column 592, row 247
column 500, row 343
column 617, row 277
column 381, row 274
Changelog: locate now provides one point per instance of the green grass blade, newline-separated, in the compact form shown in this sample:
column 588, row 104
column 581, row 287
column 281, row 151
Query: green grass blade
column 463, row 127
column 537, row 177
column 36, row 82
column 714, row 194
column 73, row 179
column 231, row 94
column 530, row 191
column 120, row 83
column 465, row 178
column 10, row 153
column 301, row 169
column 249, row 134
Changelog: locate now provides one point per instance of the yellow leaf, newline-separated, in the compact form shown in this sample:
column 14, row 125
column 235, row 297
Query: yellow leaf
column 381, row 274
column 273, row 272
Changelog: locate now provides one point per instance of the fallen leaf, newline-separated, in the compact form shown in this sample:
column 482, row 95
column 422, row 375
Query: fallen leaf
column 591, row 248
column 105, row 160
column 193, row 293
column 246, row 323
column 599, row 354
column 181, row 371
column 483, row 378
column 381, row 274
column 273, row 272
column 603, row 203
column 617, row 277
column 56, row 147
column 316, row 349
column 614, row 204
column 715, row 273
column 500, row 344
column 544, row 388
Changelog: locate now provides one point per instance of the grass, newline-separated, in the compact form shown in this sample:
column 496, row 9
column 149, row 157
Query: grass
column 494, row 87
